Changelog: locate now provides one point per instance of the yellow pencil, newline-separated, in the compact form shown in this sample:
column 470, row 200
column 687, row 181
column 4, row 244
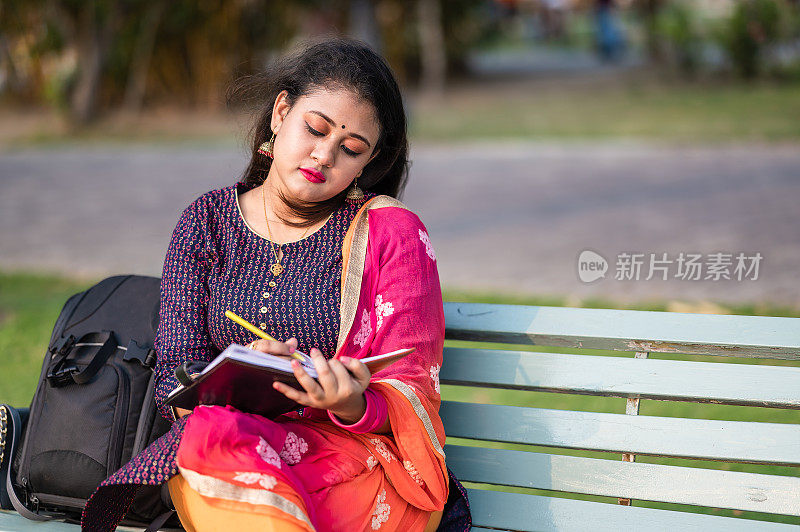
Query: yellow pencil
column 298, row 355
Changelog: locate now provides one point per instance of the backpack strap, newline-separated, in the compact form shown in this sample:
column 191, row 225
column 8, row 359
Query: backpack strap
column 62, row 371
column 159, row 521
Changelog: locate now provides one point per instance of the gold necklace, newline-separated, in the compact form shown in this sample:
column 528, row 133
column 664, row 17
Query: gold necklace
column 276, row 268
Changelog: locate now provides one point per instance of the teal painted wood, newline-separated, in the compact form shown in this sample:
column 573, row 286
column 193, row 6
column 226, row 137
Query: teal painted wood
column 13, row 521
column 710, row 382
column 516, row 511
column 626, row 330
column 631, row 480
column 736, row 441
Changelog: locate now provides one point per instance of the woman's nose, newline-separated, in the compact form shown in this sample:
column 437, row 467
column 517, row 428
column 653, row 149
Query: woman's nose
column 324, row 153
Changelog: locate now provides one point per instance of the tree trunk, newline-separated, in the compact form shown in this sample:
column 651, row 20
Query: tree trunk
column 11, row 83
column 142, row 53
column 649, row 10
column 93, row 41
column 432, row 46
column 364, row 25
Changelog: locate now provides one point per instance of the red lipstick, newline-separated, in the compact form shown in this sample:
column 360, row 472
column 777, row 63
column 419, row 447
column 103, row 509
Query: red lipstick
column 312, row 175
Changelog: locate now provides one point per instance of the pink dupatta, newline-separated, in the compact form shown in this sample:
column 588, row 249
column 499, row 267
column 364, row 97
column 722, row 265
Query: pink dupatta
column 306, row 471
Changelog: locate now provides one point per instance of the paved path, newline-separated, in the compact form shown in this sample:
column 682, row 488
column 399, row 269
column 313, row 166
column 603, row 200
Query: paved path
column 511, row 217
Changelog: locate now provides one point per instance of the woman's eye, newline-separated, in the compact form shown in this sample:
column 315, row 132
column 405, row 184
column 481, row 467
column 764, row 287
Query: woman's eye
column 314, row 131
column 350, row 152
column 345, row 149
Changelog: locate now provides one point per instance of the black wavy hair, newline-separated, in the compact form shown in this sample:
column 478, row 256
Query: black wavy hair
column 333, row 63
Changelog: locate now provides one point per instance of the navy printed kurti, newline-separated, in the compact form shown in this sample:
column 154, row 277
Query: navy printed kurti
column 216, row 262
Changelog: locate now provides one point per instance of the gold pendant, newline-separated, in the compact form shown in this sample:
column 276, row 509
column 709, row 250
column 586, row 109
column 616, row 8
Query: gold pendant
column 276, row 269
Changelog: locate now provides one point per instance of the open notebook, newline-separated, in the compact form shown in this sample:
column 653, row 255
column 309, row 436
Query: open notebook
column 243, row 378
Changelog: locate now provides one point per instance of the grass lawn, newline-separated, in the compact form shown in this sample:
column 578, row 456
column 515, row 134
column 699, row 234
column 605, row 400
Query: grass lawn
column 634, row 107
column 645, row 110
column 29, row 305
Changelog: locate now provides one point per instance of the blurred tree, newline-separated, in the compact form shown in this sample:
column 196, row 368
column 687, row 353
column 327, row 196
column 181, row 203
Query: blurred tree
column 460, row 23
column 753, row 26
column 677, row 28
column 364, row 24
column 433, row 54
column 123, row 50
column 392, row 17
column 141, row 56
column 649, row 11
column 92, row 56
column 202, row 46
column 90, row 26
column 41, row 27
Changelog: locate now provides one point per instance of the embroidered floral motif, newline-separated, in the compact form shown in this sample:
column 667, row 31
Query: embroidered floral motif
column 293, row 448
column 413, row 473
column 363, row 334
column 372, row 462
column 382, row 511
column 435, row 377
column 267, row 453
column 382, row 449
column 333, row 477
column 265, row 481
column 423, row 236
column 382, row 309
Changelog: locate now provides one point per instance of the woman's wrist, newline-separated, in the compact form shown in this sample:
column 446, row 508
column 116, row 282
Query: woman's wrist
column 352, row 414
column 373, row 415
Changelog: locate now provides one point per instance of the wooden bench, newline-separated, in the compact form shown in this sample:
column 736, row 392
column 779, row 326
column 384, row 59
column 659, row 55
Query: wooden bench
column 539, row 436
column 637, row 379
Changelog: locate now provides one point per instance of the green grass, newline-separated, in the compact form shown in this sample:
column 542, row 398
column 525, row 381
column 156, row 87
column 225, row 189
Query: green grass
column 29, row 305
column 634, row 107
column 700, row 112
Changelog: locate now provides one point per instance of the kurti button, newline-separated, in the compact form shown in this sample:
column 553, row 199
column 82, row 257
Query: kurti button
column 267, row 295
column 263, row 326
column 272, row 284
column 263, row 310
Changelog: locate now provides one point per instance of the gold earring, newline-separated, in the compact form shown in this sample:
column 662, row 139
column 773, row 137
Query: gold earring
column 354, row 195
column 267, row 147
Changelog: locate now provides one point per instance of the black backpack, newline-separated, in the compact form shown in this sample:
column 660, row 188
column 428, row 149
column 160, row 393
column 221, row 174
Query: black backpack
column 94, row 407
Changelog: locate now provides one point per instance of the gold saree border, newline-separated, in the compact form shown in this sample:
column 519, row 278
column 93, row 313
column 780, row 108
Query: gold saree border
column 214, row 487
column 354, row 253
column 422, row 414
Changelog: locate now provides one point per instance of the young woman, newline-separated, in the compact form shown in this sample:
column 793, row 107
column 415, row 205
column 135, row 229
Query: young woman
column 313, row 247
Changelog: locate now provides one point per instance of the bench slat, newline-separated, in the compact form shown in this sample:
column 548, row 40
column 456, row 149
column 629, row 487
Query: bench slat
column 651, row 482
column 711, row 382
column 516, row 511
column 625, row 330
column 737, row 441
column 14, row 521
column 10, row 520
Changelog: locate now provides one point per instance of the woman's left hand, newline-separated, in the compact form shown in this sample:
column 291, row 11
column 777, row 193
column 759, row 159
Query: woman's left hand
column 339, row 387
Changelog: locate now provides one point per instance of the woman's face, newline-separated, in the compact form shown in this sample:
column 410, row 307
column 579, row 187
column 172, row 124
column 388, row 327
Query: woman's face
column 322, row 143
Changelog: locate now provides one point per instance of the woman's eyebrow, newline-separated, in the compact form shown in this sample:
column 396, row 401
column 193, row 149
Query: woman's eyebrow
column 333, row 124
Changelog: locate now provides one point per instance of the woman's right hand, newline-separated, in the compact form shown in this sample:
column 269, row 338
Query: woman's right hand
column 274, row 347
